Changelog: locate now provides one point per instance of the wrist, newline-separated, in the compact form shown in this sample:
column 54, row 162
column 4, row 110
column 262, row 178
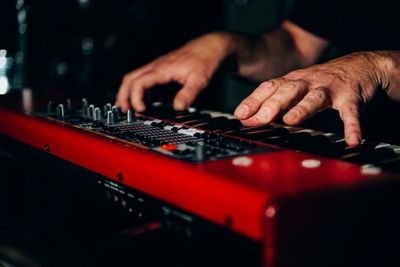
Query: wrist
column 223, row 42
column 389, row 71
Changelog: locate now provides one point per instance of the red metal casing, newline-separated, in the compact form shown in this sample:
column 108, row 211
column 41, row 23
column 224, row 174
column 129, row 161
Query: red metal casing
column 241, row 197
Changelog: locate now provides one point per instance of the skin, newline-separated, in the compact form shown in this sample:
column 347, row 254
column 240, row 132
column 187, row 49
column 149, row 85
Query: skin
column 293, row 87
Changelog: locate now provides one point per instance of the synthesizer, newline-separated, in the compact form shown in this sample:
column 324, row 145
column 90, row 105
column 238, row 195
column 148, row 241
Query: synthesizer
column 198, row 136
column 199, row 166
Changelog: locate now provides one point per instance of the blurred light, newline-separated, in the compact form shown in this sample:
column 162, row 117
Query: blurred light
column 61, row 68
column 84, row 3
column 87, row 46
column 22, row 28
column 21, row 16
column 311, row 163
column 270, row 212
column 19, row 57
column 369, row 169
column 3, row 85
column 19, row 4
column 27, row 102
column 3, row 53
column 3, row 62
column 242, row 161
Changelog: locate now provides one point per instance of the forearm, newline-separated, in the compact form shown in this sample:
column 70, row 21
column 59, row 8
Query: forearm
column 274, row 53
column 266, row 56
column 388, row 63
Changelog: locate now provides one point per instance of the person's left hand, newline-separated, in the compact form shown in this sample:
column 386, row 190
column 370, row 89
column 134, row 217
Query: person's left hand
column 342, row 84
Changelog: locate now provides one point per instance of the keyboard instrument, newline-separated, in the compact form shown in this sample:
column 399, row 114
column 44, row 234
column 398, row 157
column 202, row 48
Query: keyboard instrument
column 202, row 167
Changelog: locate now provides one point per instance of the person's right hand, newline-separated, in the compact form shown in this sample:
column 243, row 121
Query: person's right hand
column 192, row 66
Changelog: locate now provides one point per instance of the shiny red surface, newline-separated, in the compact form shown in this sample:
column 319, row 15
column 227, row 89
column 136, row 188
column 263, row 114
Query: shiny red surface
column 235, row 193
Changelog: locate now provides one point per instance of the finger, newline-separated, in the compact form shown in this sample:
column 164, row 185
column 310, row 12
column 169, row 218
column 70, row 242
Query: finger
column 250, row 105
column 122, row 99
column 282, row 98
column 185, row 97
column 351, row 120
column 314, row 101
column 142, row 83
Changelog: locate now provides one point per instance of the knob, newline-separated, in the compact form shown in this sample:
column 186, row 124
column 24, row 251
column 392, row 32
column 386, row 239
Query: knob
column 90, row 112
column 69, row 104
column 199, row 152
column 50, row 107
column 106, row 109
column 60, row 111
column 115, row 110
column 85, row 104
column 130, row 116
column 110, row 118
column 97, row 114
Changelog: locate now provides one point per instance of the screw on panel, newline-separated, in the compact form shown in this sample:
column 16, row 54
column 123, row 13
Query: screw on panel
column 120, row 176
column 228, row 221
column 47, row 148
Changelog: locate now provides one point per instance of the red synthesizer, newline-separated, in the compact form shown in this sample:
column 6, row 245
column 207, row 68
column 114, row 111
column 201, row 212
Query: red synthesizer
column 272, row 185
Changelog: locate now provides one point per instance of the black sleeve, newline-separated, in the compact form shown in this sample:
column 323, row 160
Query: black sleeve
column 319, row 17
column 350, row 25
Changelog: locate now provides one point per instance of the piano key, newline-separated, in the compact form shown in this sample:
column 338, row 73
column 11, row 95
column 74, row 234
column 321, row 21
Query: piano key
column 221, row 124
column 190, row 117
column 391, row 165
column 373, row 156
column 261, row 135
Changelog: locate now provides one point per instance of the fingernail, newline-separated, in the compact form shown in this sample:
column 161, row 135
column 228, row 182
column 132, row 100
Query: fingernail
column 180, row 105
column 264, row 113
column 354, row 139
column 292, row 115
column 139, row 108
column 241, row 111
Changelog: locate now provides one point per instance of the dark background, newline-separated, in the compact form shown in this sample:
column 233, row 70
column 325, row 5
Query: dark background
column 86, row 46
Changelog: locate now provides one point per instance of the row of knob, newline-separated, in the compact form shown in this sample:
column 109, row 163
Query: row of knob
column 112, row 114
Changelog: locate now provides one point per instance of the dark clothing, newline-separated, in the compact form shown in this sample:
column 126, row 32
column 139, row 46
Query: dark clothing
column 356, row 25
column 351, row 25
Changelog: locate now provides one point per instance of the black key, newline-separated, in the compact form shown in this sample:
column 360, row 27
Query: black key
column 221, row 123
column 373, row 156
column 392, row 165
column 229, row 125
column 190, row 117
column 244, row 130
column 164, row 111
column 261, row 135
column 196, row 122
column 363, row 148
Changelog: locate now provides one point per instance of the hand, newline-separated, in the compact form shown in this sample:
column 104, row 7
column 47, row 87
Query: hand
column 191, row 65
column 342, row 84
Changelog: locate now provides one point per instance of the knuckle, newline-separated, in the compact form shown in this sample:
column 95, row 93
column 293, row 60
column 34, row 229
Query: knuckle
column 126, row 78
column 320, row 92
column 268, row 84
column 317, row 96
column 251, row 101
column 273, row 83
column 274, row 104
column 301, row 110
column 350, row 109
column 201, row 79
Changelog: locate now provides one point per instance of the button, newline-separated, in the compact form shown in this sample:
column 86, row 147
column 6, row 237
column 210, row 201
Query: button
column 168, row 147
